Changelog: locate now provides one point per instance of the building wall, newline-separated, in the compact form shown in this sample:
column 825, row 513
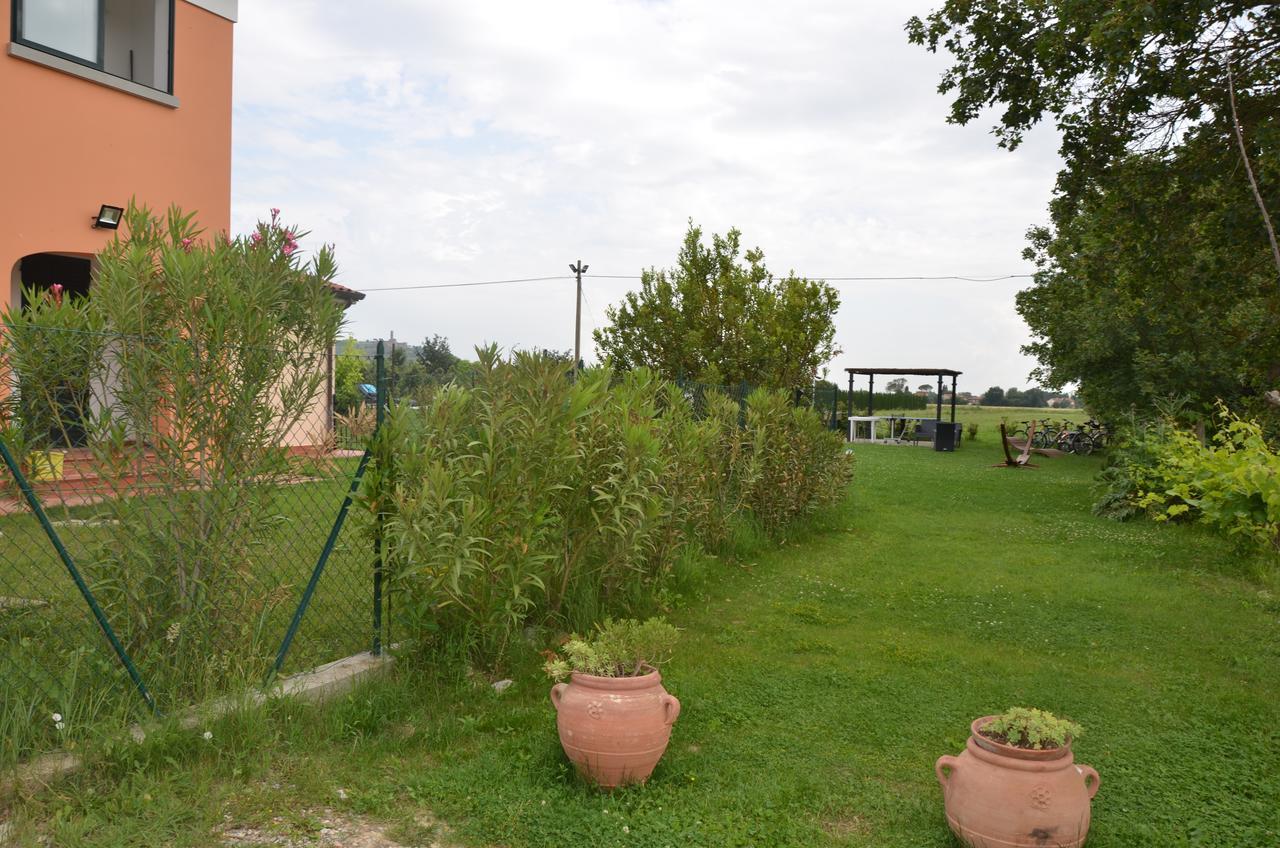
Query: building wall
column 70, row 145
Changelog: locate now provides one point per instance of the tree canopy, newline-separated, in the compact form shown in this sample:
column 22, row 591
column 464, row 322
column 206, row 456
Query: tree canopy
column 1156, row 275
column 719, row 316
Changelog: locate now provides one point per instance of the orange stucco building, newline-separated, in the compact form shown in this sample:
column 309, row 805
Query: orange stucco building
column 108, row 100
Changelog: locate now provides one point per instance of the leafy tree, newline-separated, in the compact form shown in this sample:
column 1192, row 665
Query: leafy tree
column 1115, row 75
column 1157, row 275
column 720, row 316
column 435, row 357
column 897, row 385
column 993, row 396
column 1160, row 285
column 348, row 374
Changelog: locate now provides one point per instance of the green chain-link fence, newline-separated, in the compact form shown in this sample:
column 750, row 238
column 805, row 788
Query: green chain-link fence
column 159, row 547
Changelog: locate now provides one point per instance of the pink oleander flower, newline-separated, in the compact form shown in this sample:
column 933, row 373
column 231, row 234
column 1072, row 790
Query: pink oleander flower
column 290, row 243
column 275, row 214
column 56, row 290
column 255, row 239
column 187, row 244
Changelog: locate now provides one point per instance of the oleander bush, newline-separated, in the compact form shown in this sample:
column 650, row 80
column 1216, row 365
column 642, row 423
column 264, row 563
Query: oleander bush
column 527, row 499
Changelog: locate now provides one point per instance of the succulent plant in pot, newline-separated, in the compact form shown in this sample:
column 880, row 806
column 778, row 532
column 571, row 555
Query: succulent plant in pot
column 1016, row 784
column 613, row 714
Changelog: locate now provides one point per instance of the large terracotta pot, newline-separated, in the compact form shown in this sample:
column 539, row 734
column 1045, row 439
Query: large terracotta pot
column 614, row 729
column 999, row 796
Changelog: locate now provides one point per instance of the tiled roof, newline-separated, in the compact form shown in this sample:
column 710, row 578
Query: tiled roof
column 346, row 295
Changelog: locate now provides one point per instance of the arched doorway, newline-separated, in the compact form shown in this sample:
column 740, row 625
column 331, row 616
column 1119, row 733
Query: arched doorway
column 41, row 271
column 61, row 406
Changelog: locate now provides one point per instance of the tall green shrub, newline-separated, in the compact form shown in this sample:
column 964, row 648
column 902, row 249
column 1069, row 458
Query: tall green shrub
column 529, row 499
column 188, row 366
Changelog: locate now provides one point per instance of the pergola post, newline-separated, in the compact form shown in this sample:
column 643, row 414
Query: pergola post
column 871, row 395
column 953, row 398
column 939, row 397
column 848, row 401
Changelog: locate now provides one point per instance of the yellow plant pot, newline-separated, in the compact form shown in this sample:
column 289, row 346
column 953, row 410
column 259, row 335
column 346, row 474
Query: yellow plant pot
column 47, row 465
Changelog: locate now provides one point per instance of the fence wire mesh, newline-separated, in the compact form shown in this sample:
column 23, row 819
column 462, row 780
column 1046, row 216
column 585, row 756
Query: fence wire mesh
column 163, row 509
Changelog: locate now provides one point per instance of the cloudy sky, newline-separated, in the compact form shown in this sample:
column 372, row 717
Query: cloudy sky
column 448, row 142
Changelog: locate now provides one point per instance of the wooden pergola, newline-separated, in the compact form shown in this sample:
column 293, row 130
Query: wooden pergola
column 870, row 374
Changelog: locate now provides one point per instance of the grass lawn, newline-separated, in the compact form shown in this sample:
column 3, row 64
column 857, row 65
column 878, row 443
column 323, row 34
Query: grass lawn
column 819, row 680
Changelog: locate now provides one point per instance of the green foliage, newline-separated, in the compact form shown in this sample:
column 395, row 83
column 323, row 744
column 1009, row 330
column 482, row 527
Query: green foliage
column 1231, row 483
column 185, row 373
column 716, row 320
column 435, row 357
column 1160, row 283
column 793, row 462
column 971, row 429
column 348, row 374
column 1114, row 76
column 1025, row 727
column 623, row 648
column 1035, row 398
column 529, row 499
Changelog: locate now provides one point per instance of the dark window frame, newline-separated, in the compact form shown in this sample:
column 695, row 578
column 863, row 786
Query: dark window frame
column 16, row 33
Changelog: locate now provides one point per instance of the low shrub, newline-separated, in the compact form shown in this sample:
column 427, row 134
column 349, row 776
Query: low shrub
column 530, row 500
column 1230, row 482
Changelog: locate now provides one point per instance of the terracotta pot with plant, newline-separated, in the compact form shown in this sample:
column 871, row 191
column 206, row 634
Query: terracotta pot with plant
column 1016, row 784
column 613, row 715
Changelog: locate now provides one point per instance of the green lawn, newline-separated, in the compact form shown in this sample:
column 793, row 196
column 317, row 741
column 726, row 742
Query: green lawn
column 819, row 682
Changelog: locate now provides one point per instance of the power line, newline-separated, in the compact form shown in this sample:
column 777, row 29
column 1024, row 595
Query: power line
column 957, row 278
column 825, row 279
column 466, row 285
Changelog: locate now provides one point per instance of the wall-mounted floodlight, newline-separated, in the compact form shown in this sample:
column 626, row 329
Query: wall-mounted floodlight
column 108, row 217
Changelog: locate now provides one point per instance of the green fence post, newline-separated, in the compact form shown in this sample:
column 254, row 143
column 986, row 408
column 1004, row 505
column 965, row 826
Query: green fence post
column 85, row 592
column 319, row 569
column 380, row 384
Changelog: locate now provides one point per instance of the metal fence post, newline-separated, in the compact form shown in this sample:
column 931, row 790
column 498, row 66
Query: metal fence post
column 380, row 385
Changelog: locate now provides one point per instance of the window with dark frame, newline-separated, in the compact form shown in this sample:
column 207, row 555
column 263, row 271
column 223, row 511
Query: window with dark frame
column 130, row 39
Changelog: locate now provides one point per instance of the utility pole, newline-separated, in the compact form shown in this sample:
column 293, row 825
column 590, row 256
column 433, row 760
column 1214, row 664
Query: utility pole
column 578, row 270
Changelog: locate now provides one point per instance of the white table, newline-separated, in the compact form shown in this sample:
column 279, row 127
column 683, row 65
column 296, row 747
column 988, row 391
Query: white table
column 873, row 420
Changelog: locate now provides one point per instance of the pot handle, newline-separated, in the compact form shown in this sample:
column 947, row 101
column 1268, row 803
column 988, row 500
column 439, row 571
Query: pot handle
column 1091, row 785
column 670, row 708
column 557, row 692
column 945, row 761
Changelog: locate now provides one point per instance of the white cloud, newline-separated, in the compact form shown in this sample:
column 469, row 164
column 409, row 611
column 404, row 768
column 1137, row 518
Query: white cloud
column 441, row 142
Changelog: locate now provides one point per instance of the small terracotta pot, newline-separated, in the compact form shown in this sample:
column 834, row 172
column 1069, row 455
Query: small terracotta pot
column 614, row 729
column 1000, row 796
